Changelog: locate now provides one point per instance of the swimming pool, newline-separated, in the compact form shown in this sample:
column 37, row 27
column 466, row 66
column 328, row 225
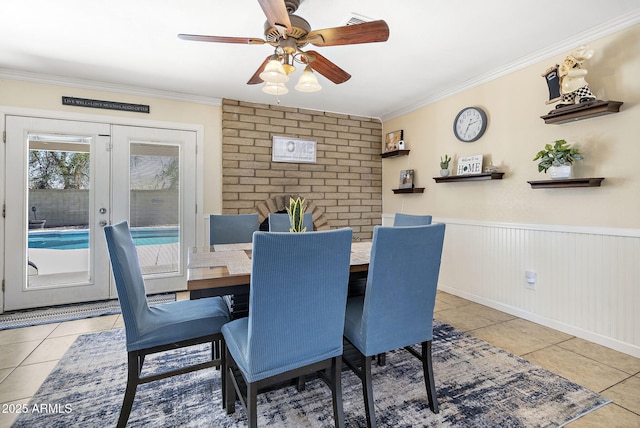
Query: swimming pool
column 72, row 239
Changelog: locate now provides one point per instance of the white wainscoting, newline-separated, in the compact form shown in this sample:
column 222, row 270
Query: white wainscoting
column 588, row 279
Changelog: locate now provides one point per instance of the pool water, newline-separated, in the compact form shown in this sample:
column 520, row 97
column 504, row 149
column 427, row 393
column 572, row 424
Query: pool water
column 73, row 239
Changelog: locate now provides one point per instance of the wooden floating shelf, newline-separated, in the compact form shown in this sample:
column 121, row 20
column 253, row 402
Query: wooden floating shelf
column 470, row 177
column 409, row 190
column 582, row 111
column 394, row 153
column 567, row 182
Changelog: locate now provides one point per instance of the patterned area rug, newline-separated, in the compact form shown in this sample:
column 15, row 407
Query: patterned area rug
column 70, row 312
column 478, row 385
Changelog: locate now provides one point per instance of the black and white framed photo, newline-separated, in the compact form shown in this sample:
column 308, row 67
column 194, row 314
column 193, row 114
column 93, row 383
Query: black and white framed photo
column 406, row 179
column 296, row 150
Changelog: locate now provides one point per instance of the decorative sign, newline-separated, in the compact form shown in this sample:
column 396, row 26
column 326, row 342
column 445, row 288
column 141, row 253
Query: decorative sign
column 287, row 149
column 470, row 165
column 109, row 105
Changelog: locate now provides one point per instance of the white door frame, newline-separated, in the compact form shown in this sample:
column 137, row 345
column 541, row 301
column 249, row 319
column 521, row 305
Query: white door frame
column 113, row 120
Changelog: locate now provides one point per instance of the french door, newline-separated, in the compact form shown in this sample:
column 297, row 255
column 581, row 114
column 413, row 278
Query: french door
column 65, row 180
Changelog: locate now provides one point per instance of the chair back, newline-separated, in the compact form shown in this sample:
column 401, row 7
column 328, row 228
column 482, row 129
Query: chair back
column 297, row 298
column 401, row 286
column 128, row 277
column 280, row 222
column 411, row 220
column 232, row 228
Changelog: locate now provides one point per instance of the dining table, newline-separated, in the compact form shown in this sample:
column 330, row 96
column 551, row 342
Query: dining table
column 225, row 270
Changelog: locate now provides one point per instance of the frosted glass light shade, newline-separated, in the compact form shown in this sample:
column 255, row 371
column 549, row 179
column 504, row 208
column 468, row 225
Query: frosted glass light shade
column 308, row 81
column 274, row 88
column 274, row 72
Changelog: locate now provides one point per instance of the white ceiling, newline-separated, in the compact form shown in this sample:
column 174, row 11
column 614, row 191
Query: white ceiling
column 435, row 48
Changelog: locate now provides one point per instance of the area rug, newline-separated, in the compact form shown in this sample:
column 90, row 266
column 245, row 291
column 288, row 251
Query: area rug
column 478, row 385
column 71, row 312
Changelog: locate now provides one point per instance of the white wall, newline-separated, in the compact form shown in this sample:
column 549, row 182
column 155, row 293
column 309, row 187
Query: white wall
column 589, row 278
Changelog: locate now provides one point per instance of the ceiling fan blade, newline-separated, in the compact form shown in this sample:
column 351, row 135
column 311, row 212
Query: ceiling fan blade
column 327, row 68
column 276, row 12
column 255, row 79
column 367, row 32
column 222, row 39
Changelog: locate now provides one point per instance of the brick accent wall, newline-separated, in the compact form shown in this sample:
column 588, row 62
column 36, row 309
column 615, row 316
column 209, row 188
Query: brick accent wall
column 345, row 182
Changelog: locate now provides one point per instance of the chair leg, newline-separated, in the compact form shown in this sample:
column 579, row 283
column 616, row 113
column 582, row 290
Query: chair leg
column 367, row 391
column 427, row 366
column 252, row 404
column 223, row 364
column 133, row 372
column 336, row 391
column 229, row 383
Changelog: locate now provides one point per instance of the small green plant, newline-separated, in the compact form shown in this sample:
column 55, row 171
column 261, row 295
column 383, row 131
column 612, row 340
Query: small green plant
column 296, row 214
column 444, row 163
column 558, row 154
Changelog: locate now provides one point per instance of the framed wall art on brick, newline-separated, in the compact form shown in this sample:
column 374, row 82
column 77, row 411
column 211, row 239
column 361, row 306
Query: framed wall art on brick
column 296, row 150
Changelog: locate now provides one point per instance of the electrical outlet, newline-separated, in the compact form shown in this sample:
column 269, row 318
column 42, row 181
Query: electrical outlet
column 531, row 279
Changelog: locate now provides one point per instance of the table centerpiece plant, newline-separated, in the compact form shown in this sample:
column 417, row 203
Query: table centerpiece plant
column 296, row 210
column 557, row 158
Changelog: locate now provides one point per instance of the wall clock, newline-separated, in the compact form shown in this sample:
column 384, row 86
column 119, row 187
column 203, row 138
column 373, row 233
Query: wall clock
column 470, row 124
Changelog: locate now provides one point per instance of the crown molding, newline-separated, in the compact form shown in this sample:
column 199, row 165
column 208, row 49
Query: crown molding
column 108, row 87
column 569, row 44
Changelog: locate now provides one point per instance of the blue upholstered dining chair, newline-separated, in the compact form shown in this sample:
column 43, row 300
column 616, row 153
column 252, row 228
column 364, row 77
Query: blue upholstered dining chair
column 411, row 220
column 159, row 328
column 280, row 222
column 396, row 310
column 232, row 228
column 296, row 316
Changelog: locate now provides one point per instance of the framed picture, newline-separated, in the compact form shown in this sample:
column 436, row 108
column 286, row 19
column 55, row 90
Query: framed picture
column 392, row 140
column 295, row 150
column 470, row 165
column 406, row 179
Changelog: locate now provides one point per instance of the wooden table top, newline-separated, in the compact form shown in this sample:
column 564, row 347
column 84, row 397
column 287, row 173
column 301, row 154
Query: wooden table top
column 230, row 264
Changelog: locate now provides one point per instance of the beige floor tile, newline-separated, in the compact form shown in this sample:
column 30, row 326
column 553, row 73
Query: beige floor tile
column 510, row 339
column 119, row 322
column 452, row 300
column 626, row 394
column 24, row 381
column 461, row 319
column 14, row 354
column 51, row 349
column 4, row 373
column 25, row 334
column 88, row 325
column 11, row 410
column 442, row 306
column 609, row 416
column 488, row 313
column 581, row 370
column 538, row 331
column 616, row 359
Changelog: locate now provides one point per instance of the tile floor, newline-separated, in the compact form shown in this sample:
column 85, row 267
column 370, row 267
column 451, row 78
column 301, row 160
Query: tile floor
column 27, row 355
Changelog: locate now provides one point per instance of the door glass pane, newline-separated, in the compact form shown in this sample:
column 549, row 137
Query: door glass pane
column 59, row 174
column 155, row 206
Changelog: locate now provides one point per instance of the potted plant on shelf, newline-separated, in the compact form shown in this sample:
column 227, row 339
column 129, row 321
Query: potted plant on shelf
column 557, row 158
column 444, row 165
column 296, row 214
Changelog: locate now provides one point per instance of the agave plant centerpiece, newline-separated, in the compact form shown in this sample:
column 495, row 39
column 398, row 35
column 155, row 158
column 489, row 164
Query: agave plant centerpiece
column 296, row 214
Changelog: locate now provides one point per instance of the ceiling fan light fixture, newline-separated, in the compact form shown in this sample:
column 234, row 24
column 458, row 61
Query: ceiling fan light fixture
column 274, row 88
column 308, row 81
column 274, row 72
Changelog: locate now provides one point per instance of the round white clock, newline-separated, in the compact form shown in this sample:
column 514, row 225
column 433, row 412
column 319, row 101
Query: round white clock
column 470, row 124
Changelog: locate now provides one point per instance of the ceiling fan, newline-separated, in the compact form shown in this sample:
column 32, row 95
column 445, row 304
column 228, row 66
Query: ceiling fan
column 288, row 33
